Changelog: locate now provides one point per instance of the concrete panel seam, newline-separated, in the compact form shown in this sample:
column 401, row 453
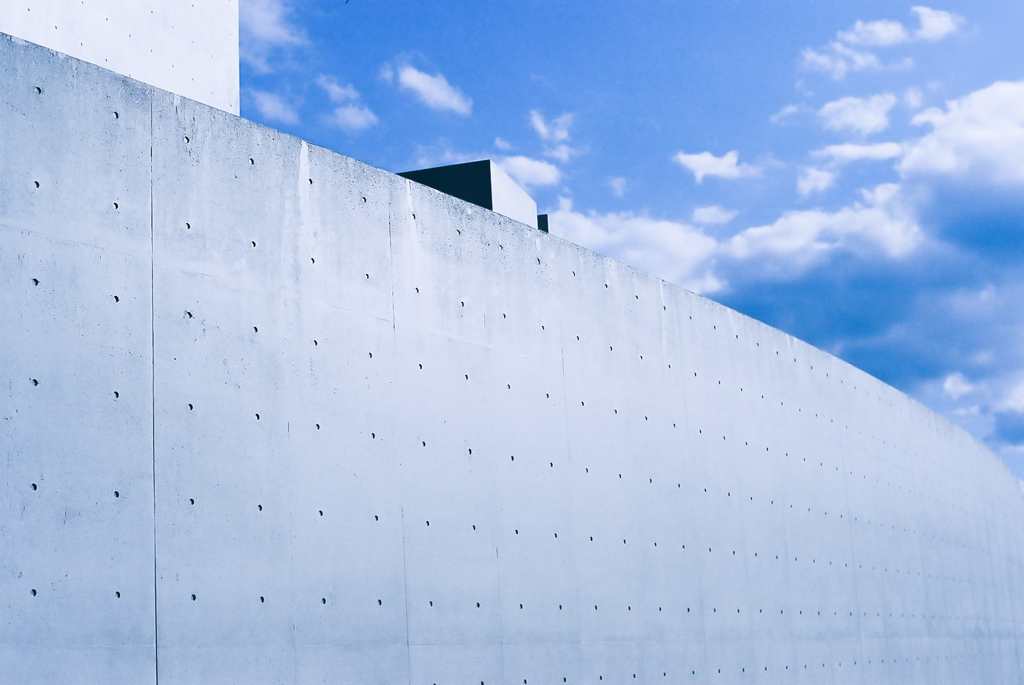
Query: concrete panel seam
column 152, row 360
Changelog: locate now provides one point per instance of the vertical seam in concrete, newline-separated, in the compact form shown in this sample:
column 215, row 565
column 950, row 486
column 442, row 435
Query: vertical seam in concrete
column 405, row 589
column 861, row 637
column 569, row 481
column 501, row 626
column 1016, row 642
column 391, row 262
column 152, row 359
column 568, row 455
column 405, row 574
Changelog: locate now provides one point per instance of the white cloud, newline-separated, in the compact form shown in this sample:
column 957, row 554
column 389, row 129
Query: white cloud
column 784, row 113
column 881, row 222
column 555, row 134
column 674, row 251
column 935, row 24
column 713, row 215
column 502, row 144
column 274, row 108
column 836, row 66
column 956, row 386
column 860, row 115
column 913, row 97
column 853, row 152
column 336, row 92
column 556, row 131
column 263, row 26
column 706, row 164
column 879, row 33
column 977, row 137
column 441, row 154
column 529, row 172
column 1013, row 399
column 843, row 59
column 351, row 116
column 618, row 186
column 813, row 180
column 433, row 91
column 563, row 153
column 866, row 61
column 267, row 21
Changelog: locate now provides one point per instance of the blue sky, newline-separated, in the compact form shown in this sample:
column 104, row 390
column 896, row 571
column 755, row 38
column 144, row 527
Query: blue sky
column 852, row 173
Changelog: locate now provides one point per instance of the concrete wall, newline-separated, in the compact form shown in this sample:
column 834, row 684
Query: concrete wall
column 313, row 358
column 188, row 47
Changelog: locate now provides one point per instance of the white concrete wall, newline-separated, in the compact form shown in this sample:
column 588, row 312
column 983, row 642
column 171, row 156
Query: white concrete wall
column 189, row 47
column 624, row 482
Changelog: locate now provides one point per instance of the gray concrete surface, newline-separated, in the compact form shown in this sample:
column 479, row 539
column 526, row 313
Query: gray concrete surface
column 364, row 432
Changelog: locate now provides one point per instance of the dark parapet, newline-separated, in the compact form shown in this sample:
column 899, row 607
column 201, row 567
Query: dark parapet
column 470, row 181
column 481, row 183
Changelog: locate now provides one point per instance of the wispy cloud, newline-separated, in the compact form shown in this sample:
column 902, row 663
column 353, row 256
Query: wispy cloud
column 274, row 108
column 442, row 153
column 563, row 153
column 713, row 215
column 618, row 186
column 913, row 97
column 555, row 131
column 859, row 115
column 848, row 54
column 784, row 113
column 353, row 118
column 335, row 91
column 434, row 91
column 839, row 59
column 529, row 172
column 813, row 180
column 955, row 385
column 1012, row 398
column 264, row 25
column 933, row 25
column 936, row 24
column 350, row 115
column 706, row 164
column 555, row 135
column 853, row 152
column 875, row 33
